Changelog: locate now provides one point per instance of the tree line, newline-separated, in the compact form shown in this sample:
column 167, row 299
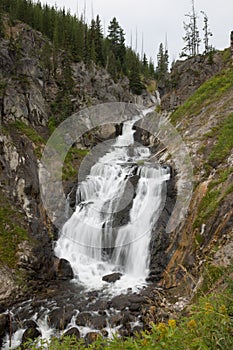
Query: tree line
column 82, row 41
column 192, row 41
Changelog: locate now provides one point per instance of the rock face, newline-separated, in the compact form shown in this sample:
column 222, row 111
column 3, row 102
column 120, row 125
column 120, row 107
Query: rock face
column 186, row 76
column 28, row 92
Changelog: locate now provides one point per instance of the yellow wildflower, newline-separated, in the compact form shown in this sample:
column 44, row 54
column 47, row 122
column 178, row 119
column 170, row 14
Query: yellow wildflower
column 223, row 309
column 162, row 328
column 192, row 324
column 209, row 308
column 172, row 323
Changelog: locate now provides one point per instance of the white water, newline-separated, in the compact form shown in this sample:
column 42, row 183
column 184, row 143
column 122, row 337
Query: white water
column 89, row 229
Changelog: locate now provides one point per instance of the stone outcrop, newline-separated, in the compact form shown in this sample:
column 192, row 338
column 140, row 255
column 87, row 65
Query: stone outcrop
column 186, row 76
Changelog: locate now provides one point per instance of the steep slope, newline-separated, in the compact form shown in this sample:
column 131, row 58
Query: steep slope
column 205, row 122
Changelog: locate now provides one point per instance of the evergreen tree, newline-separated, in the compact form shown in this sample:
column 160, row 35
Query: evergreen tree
column 162, row 65
column 135, row 81
column 207, row 34
column 99, row 42
column 80, row 41
column 151, row 68
column 116, row 38
column 1, row 23
column 192, row 39
column 145, row 61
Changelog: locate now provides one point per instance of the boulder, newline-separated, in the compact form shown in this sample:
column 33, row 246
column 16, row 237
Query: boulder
column 64, row 270
column 91, row 337
column 99, row 322
column 60, row 317
column 31, row 334
column 84, row 319
column 4, row 326
column 73, row 332
column 113, row 277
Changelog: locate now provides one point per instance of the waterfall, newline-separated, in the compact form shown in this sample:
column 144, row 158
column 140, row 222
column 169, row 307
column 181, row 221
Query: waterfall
column 88, row 239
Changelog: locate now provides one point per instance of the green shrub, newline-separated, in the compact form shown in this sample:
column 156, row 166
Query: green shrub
column 33, row 136
column 12, row 231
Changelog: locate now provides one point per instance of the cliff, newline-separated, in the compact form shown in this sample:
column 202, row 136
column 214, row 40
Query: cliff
column 34, row 99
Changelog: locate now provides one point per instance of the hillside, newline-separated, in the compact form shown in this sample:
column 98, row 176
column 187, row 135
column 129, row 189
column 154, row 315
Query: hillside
column 195, row 259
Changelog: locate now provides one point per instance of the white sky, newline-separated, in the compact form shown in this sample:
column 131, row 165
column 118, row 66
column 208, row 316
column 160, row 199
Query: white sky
column 156, row 19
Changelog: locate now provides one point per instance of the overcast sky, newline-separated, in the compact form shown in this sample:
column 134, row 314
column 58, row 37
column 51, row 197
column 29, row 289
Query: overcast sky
column 157, row 19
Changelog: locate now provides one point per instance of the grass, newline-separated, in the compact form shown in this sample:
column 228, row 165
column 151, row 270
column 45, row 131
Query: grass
column 224, row 143
column 207, row 207
column 209, row 92
column 11, row 232
column 33, row 136
column 72, row 161
column 207, row 324
column 214, row 197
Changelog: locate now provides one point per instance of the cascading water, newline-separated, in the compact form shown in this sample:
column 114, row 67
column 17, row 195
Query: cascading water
column 89, row 233
column 93, row 240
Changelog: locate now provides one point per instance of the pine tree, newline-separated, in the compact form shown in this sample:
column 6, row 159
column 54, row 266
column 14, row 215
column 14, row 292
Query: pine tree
column 99, row 42
column 191, row 38
column 207, row 34
column 1, row 23
column 135, row 81
column 162, row 65
column 116, row 38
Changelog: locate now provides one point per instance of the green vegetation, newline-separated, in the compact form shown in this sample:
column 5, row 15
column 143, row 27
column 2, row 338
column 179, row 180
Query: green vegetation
column 72, row 162
column 216, row 193
column 224, row 143
column 3, row 85
column 11, row 232
column 211, row 275
column 32, row 135
column 208, row 324
column 80, row 41
column 207, row 207
column 209, row 92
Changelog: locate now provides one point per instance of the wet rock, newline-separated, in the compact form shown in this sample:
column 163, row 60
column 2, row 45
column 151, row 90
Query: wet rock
column 91, row 337
column 73, row 332
column 125, row 331
column 104, row 333
column 30, row 324
column 127, row 318
column 31, row 334
column 135, row 307
column 113, row 277
column 106, row 131
column 99, row 322
column 136, row 299
column 60, row 317
column 4, row 326
column 64, row 270
column 2, row 309
column 115, row 320
column 120, row 302
column 137, row 330
column 84, row 319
